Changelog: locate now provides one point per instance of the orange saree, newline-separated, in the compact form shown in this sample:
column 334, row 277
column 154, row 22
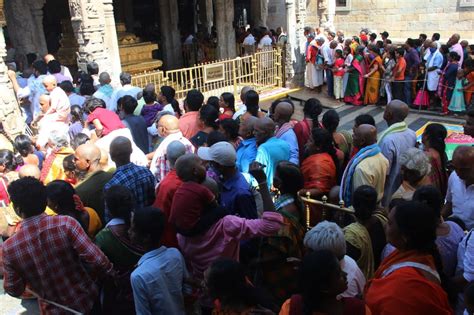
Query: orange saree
column 407, row 290
column 319, row 171
column 372, row 88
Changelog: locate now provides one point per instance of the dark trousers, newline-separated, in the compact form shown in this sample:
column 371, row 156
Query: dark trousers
column 407, row 88
column 397, row 90
column 330, row 81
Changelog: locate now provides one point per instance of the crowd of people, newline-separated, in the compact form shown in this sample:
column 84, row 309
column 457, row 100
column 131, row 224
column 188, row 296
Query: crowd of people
column 367, row 69
column 124, row 201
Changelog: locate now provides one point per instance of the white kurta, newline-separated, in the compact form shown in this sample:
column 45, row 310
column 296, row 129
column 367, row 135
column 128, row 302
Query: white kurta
column 432, row 77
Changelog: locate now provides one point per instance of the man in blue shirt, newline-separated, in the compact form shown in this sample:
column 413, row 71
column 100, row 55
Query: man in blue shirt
column 282, row 116
column 270, row 150
column 158, row 280
column 235, row 195
column 247, row 150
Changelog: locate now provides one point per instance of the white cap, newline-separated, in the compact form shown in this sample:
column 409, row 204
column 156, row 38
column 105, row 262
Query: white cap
column 223, row 153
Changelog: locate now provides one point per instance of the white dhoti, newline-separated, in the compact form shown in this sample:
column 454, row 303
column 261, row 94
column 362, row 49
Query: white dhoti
column 137, row 157
column 314, row 76
column 432, row 80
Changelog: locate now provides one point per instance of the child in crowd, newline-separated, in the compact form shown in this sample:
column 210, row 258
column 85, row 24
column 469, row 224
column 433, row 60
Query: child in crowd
column 338, row 71
column 151, row 107
column 77, row 121
column 457, row 104
column 70, row 169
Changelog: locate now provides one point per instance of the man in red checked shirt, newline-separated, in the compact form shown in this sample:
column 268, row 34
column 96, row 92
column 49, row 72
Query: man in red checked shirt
column 52, row 254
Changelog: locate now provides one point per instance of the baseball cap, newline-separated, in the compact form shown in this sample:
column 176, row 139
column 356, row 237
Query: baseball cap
column 222, row 153
column 384, row 34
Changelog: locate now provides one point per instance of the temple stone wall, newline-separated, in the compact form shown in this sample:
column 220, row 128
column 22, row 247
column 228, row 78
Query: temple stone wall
column 409, row 18
column 276, row 14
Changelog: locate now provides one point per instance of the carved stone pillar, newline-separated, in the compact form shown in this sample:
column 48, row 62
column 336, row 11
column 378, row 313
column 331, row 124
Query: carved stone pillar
column 170, row 39
column 88, row 23
column 111, row 39
column 10, row 114
column 259, row 12
column 19, row 15
column 295, row 63
column 36, row 7
column 225, row 29
column 206, row 14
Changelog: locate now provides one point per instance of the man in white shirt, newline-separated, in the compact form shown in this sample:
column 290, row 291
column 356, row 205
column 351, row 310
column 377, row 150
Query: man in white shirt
column 265, row 41
column 460, row 194
column 249, row 40
column 126, row 89
column 328, row 54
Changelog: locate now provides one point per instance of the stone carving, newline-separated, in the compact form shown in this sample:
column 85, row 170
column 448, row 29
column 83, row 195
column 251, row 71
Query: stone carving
column 75, row 10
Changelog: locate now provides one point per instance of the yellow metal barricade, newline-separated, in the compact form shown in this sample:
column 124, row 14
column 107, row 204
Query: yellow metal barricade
column 261, row 70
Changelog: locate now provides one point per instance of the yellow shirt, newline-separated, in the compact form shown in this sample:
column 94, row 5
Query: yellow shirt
column 371, row 171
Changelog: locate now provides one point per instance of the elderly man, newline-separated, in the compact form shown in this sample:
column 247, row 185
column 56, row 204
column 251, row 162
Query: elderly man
column 138, row 179
column 329, row 236
column 126, row 89
column 454, row 44
column 91, row 188
column 247, row 149
column 235, row 195
column 105, row 90
column 51, row 254
column 33, row 90
column 270, row 150
column 60, row 106
column 393, row 142
column 168, row 129
column 434, row 62
column 166, row 189
column 285, row 132
column 460, row 195
column 29, row 170
column 469, row 124
column 367, row 167
column 47, row 122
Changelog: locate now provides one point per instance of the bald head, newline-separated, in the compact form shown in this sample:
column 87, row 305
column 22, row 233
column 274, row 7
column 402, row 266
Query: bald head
column 244, row 91
column 427, row 43
column 463, row 162
column 29, row 170
column 47, row 58
column 104, row 78
column 174, row 150
column 189, row 168
column 264, row 129
column 45, row 102
column 364, row 135
column 49, row 82
column 396, row 111
column 283, row 112
column 168, row 124
column 150, row 87
column 247, row 126
column 120, row 150
column 87, row 157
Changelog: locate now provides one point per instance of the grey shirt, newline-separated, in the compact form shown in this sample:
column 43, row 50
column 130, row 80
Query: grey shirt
column 393, row 145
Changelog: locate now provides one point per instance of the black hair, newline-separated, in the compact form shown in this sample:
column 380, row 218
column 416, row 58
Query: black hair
column 128, row 104
column 8, row 160
column 388, row 41
column 231, row 128
column 29, row 195
column 169, row 93
column 215, row 136
column 312, row 109
column 214, row 102
column 149, row 96
column 61, row 193
column 400, row 51
column 424, row 36
column 149, row 221
column 251, row 101
column 91, row 104
column 379, row 44
column 227, row 282
column 86, row 88
column 24, row 145
column 85, row 78
column 77, row 114
column 79, row 139
column 68, row 163
column 194, row 100
column 125, row 78
column 209, row 116
column 331, row 120
column 292, row 180
column 54, row 66
column 374, row 48
column 410, row 42
column 67, row 86
column 31, row 58
column 278, row 101
column 444, row 49
column 40, row 66
column 364, row 202
column 314, row 276
column 364, row 119
column 417, row 223
column 391, row 53
column 417, row 42
column 92, row 68
column 324, row 140
column 454, row 55
column 373, row 36
column 120, row 202
column 430, row 196
column 436, row 36
column 436, row 134
column 229, row 100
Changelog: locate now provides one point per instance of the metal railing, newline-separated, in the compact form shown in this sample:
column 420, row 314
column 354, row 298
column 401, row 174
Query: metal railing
column 262, row 70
